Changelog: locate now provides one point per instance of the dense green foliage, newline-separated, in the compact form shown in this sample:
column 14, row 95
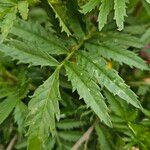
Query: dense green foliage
column 65, row 71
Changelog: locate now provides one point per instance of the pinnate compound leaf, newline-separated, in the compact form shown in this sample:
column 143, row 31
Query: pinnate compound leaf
column 107, row 77
column 106, row 5
column 88, row 90
column 26, row 53
column 43, row 107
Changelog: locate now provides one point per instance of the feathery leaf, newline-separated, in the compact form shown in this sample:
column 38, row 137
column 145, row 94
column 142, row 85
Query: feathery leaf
column 88, row 90
column 120, row 13
column 23, row 9
column 104, row 9
column 107, row 77
column 43, row 108
column 34, row 32
column 102, row 139
column 7, row 23
column 61, row 21
column 117, row 53
column 20, row 113
column 7, row 106
column 122, row 39
column 26, row 53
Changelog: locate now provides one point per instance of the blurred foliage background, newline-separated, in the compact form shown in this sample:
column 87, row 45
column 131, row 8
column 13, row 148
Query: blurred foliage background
column 131, row 127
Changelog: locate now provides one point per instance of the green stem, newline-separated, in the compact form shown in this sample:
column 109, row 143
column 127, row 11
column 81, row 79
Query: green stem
column 75, row 48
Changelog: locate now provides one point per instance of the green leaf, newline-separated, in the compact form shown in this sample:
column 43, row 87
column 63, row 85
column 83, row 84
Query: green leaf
column 43, row 108
column 105, row 8
column 146, row 36
column 4, row 91
column 20, row 113
column 89, row 6
column 33, row 2
column 35, row 144
column 50, row 144
column 7, row 23
column 26, row 53
column 107, row 77
column 116, row 104
column 34, row 32
column 71, row 136
column 146, row 6
column 61, row 21
column 117, row 53
column 120, row 13
column 69, row 124
column 88, row 90
column 23, row 9
column 135, row 29
column 102, row 139
column 74, row 18
column 7, row 106
column 122, row 39
column 9, row 2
